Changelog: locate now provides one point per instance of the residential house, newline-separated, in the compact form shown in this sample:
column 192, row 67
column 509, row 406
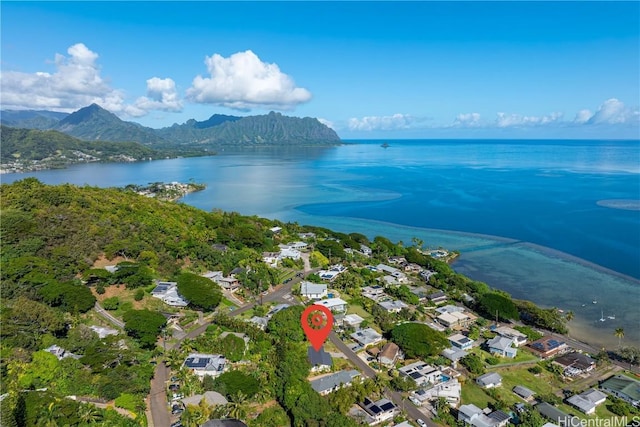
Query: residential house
column 501, row 346
column 333, row 382
column 449, row 308
column 575, row 363
column 398, row 275
column 456, row 320
column 230, row 284
column 623, row 387
column 60, row 352
column 547, row 347
column 450, row 390
column 260, row 322
column 524, row 393
column 374, row 293
column 397, row 260
column 453, row 354
column 212, row 398
column 554, row 414
column 426, row 274
column 313, row 290
column 437, row 298
column 366, row 250
column 336, row 305
column 271, row 258
column 422, row 373
column 366, row 337
column 308, row 235
column 299, row 246
column 389, row 354
column 393, row 306
column 518, row 337
column 471, row 414
column 461, row 342
column 275, row 230
column 489, row 380
column 168, row 293
column 277, row 308
column 421, row 292
column 319, row 360
column 205, row 364
column 380, row 410
column 412, row 267
column 587, row 401
column 352, row 320
column 102, row 331
column 288, row 252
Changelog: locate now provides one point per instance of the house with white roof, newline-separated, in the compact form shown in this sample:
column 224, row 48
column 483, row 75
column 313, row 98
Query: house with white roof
column 374, row 293
column 313, row 290
column 205, row 364
column 366, row 250
column 366, row 337
column 168, row 293
column 380, row 410
column 477, row 417
column 271, row 258
column 450, row 390
column 336, row 305
column 450, row 308
column 422, row 373
column 501, row 346
column 288, row 252
column 456, row 320
column 393, row 306
column 518, row 337
column 461, row 342
column 102, row 331
column 60, row 352
column 352, row 320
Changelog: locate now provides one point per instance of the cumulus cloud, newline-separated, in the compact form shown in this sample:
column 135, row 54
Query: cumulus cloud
column 394, row 122
column 467, row 120
column 242, row 81
column 613, row 111
column 75, row 83
column 161, row 95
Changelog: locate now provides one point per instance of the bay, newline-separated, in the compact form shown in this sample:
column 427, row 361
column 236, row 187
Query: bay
column 555, row 222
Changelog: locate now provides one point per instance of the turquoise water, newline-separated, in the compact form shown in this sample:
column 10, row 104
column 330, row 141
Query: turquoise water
column 554, row 222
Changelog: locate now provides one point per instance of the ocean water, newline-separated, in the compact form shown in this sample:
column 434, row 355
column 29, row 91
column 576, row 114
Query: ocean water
column 556, row 222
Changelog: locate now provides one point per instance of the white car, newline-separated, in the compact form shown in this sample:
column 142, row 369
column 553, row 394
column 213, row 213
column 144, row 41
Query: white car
column 421, row 423
column 415, row 401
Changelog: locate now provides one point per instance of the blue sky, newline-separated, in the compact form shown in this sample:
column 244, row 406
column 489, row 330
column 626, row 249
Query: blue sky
column 368, row 69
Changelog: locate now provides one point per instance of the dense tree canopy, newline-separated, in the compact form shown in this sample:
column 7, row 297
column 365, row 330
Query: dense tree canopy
column 144, row 325
column 201, row 292
column 417, row 340
column 494, row 304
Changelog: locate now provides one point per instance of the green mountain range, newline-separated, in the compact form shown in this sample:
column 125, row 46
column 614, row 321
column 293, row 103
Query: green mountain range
column 94, row 123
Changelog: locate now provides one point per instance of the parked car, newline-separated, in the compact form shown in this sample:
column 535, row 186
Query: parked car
column 174, row 379
column 421, row 423
column 174, row 387
column 177, row 424
column 415, row 401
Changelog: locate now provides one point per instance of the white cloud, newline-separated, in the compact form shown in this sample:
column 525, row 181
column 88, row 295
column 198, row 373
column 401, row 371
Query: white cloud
column 161, row 95
column 75, row 83
column 613, row 111
column 394, row 122
column 467, row 120
column 242, row 81
column 583, row 116
column 516, row 120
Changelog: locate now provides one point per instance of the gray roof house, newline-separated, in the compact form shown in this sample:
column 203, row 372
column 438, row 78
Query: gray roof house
column 319, row 360
column 501, row 346
column 393, row 306
column 380, row 410
column 489, row 380
column 554, row 414
column 623, row 387
column 210, row 397
column 330, row 383
column 313, row 290
column 523, row 392
column 205, row 364
column 587, row 401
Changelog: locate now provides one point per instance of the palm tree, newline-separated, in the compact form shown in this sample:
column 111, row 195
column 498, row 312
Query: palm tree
column 569, row 316
column 620, row 334
column 89, row 414
column 48, row 416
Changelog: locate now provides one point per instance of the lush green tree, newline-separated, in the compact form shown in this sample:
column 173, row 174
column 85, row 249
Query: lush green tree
column 232, row 347
column 201, row 292
column 138, row 295
column 494, row 304
column 233, row 382
column 418, row 340
column 286, row 324
column 68, row 296
column 144, row 325
column 25, row 320
column 273, row 416
column 473, row 363
column 331, row 249
column 402, row 383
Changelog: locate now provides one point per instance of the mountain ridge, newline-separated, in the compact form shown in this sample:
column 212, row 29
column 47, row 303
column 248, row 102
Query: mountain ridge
column 94, row 123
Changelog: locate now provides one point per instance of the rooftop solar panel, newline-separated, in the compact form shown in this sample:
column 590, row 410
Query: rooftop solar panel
column 415, row 375
column 375, row 409
column 387, row 406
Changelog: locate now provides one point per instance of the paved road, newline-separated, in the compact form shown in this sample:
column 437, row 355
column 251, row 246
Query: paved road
column 102, row 312
column 158, row 397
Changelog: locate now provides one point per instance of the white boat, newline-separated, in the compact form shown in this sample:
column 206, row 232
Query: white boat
column 602, row 319
column 612, row 317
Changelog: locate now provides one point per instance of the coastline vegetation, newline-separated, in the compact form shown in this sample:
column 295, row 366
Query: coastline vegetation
column 53, row 237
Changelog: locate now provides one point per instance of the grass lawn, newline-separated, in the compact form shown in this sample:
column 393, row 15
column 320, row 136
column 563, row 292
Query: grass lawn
column 522, row 356
column 473, row 393
column 357, row 309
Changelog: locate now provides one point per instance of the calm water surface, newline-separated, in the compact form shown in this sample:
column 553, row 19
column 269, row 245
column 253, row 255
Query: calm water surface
column 519, row 211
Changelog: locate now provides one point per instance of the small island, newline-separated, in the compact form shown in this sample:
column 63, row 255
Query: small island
column 171, row 191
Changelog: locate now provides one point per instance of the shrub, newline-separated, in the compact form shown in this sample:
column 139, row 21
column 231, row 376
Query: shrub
column 111, row 303
column 138, row 295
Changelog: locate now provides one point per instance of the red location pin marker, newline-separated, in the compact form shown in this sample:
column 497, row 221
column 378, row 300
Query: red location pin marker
column 316, row 321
